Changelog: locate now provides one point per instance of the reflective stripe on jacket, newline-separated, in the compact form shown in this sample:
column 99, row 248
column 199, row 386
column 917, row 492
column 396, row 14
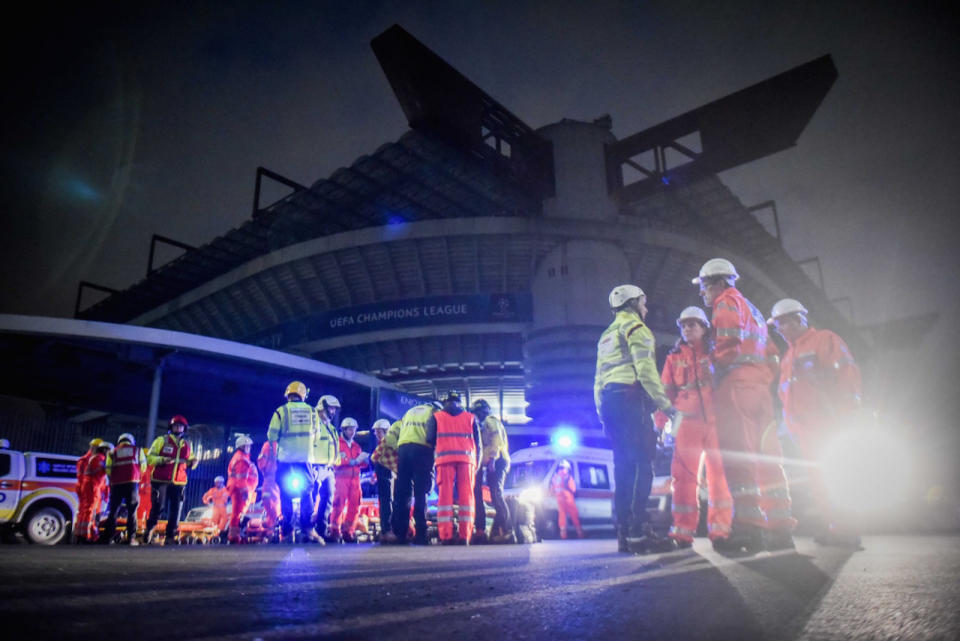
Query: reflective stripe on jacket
column 740, row 333
column 495, row 445
column 123, row 465
column 169, row 455
column 626, row 354
column 455, row 442
column 242, row 473
column 293, row 427
column 348, row 451
column 326, row 443
column 413, row 428
column 688, row 380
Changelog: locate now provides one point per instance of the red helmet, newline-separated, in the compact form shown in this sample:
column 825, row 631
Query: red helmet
column 179, row 418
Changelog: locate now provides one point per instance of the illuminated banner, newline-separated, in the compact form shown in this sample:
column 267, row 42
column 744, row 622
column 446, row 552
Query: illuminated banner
column 394, row 404
column 398, row 314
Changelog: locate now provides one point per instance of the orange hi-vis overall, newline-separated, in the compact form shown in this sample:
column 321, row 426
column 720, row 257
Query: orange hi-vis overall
column 217, row 497
column 346, row 494
column 456, row 457
column 82, row 507
column 270, row 493
column 746, row 429
column 564, row 488
column 688, row 380
column 242, row 479
column 92, row 486
column 820, row 389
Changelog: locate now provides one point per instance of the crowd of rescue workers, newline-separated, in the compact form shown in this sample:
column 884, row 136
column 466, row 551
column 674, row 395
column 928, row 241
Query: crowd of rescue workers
column 716, row 394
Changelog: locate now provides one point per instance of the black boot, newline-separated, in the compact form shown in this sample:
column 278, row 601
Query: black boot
column 744, row 540
column 775, row 540
column 622, row 545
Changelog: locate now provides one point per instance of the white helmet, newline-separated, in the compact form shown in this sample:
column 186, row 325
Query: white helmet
column 349, row 422
column 716, row 267
column 622, row 293
column 243, row 440
column 105, row 445
column 128, row 437
column 329, row 399
column 564, row 463
column 219, row 478
column 380, row 424
column 786, row 306
column 693, row 313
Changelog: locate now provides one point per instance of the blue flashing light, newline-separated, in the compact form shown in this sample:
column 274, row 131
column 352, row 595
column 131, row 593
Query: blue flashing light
column 294, row 483
column 565, row 439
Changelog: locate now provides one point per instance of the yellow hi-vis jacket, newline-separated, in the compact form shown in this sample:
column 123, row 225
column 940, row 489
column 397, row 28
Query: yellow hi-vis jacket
column 326, row 443
column 626, row 353
column 413, row 428
column 494, row 439
column 293, row 427
column 392, row 439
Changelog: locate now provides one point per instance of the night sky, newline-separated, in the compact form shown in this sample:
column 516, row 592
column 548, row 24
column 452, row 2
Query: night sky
column 123, row 123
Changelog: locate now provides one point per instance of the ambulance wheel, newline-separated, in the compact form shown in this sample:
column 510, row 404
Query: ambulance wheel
column 45, row 526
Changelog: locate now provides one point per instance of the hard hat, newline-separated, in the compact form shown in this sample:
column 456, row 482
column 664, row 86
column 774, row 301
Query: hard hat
column 242, row 440
column 622, row 293
column 179, row 418
column 380, row 424
column 716, row 267
column 298, row 388
column 105, row 445
column 693, row 313
column 219, row 478
column 481, row 404
column 437, row 405
column 349, row 422
column 452, row 395
column 329, row 400
column 564, row 463
column 126, row 436
column 786, row 306
column 95, row 442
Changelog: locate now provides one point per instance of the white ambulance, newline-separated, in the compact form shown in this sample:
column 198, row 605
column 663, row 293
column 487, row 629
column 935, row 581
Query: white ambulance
column 37, row 494
column 532, row 468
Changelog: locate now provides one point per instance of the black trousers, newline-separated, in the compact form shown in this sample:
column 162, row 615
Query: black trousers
column 625, row 413
column 414, row 467
column 494, row 474
column 307, row 475
column 167, row 496
column 120, row 493
column 384, row 495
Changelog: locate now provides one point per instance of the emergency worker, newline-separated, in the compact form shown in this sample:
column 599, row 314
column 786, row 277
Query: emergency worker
column 564, row 489
column 347, row 494
column 293, row 427
column 414, row 469
column 80, row 527
column 627, row 390
column 384, row 459
column 746, row 429
column 124, row 466
column 146, row 471
column 93, row 485
column 455, row 435
column 170, row 456
column 242, row 484
column 270, row 491
column 688, row 380
column 326, row 457
column 820, row 392
column 217, row 497
column 494, row 465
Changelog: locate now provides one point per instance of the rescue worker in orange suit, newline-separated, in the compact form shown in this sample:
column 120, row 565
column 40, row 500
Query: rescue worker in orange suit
column 170, row 456
column 746, row 429
column 627, row 390
column 384, row 459
column 346, row 497
column 688, row 379
column 92, row 488
column 455, row 436
column 146, row 471
column 494, row 466
column 124, row 467
column 293, row 428
column 820, row 391
column 216, row 497
column 242, row 484
column 80, row 527
column 270, row 492
column 564, row 489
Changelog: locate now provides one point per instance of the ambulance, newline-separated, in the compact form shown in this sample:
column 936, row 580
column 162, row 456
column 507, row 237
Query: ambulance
column 532, row 468
column 37, row 494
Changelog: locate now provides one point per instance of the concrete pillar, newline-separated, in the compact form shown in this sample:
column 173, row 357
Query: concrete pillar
column 154, row 404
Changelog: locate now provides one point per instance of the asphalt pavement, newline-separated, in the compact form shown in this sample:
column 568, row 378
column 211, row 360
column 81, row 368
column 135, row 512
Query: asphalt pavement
column 897, row 587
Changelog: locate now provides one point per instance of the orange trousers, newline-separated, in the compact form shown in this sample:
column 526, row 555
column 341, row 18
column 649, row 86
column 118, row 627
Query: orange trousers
column 750, row 451
column 695, row 438
column 460, row 475
column 346, row 496
column 88, row 513
column 241, row 498
column 270, row 496
column 567, row 507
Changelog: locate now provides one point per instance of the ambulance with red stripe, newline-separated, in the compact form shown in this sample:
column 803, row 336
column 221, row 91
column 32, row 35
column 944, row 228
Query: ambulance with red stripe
column 37, row 494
